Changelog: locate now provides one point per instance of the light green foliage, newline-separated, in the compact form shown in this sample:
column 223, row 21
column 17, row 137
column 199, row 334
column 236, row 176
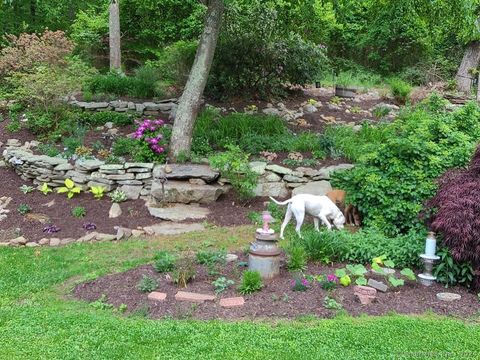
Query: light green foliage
column 147, row 284
column 79, row 212
column 24, row 209
column 97, row 191
column 124, row 146
column 451, row 273
column 251, row 282
column 400, row 90
column 101, row 303
column 26, row 189
column 70, row 189
column 222, row 284
column 45, row 189
column 394, row 177
column 117, row 196
column 234, row 165
column 296, row 258
column 164, row 261
column 102, row 117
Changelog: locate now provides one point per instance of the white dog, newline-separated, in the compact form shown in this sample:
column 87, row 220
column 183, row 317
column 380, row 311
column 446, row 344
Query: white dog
column 320, row 207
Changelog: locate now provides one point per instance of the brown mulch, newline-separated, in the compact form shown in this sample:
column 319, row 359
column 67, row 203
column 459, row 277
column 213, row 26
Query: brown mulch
column 276, row 299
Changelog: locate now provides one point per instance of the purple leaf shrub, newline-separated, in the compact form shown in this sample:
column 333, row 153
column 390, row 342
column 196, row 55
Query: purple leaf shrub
column 455, row 214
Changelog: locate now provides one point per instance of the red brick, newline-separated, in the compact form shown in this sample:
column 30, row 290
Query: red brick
column 193, row 297
column 157, row 296
column 231, row 302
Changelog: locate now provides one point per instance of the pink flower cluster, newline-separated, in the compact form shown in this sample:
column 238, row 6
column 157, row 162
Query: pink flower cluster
column 147, row 127
column 332, row 278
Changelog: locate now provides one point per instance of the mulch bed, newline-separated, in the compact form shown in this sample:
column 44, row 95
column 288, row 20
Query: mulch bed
column 276, row 299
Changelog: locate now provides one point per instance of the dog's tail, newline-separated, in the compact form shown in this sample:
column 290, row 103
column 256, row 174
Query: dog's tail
column 281, row 203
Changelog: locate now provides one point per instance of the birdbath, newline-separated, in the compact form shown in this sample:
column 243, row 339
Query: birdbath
column 264, row 254
column 429, row 258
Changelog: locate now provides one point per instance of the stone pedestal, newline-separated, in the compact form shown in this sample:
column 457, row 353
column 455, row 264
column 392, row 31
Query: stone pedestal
column 264, row 255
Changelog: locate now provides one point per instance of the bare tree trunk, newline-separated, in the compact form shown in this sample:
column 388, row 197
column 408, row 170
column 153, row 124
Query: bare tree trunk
column 189, row 104
column 478, row 87
column 114, row 29
column 470, row 60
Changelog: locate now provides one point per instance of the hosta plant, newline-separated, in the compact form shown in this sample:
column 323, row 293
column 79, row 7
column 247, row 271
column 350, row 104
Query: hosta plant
column 222, row 284
column 70, row 189
column 45, row 189
column 118, row 196
column 97, row 191
column 26, row 189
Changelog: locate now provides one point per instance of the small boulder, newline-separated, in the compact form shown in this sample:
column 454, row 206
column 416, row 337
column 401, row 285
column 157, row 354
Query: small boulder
column 115, row 211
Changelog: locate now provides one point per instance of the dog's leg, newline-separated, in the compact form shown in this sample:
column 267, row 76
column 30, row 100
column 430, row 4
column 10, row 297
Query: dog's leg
column 299, row 216
column 288, row 216
column 316, row 223
column 324, row 219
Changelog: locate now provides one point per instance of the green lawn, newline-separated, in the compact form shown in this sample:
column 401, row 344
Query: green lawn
column 39, row 320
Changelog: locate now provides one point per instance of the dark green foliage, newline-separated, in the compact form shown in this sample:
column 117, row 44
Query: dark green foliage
column 257, row 56
column 394, row 177
column 296, row 258
column 102, row 117
column 147, row 284
column 451, row 273
column 48, row 149
column 124, row 146
column 251, row 282
column 211, row 257
column 164, row 262
column 113, row 84
column 24, row 209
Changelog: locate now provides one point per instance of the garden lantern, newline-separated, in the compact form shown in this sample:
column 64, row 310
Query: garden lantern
column 429, row 259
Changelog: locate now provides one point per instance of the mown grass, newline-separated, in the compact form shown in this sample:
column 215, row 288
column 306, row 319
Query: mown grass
column 39, row 320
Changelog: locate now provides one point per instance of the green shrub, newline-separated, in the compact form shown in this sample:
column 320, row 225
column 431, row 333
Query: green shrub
column 234, row 165
column 118, row 196
column 296, row 258
column 164, row 262
column 451, row 273
column 24, row 209
column 211, row 257
column 222, row 284
column 256, row 56
column 184, row 271
column 147, row 284
column 362, row 246
column 395, row 177
column 400, row 90
column 79, row 212
column 48, row 149
column 251, row 282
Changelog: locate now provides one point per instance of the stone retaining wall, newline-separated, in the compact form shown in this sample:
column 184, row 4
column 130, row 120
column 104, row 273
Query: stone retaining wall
column 149, row 108
column 186, row 183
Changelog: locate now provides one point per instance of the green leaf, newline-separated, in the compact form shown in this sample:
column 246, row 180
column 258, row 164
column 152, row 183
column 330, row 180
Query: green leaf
column 389, row 263
column 395, row 282
column 340, row 273
column 361, row 281
column 62, row 190
column 69, row 183
column 408, row 273
column 376, row 267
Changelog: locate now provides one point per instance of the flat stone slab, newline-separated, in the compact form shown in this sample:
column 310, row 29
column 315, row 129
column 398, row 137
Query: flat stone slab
column 446, row 296
column 377, row 285
column 185, row 192
column 179, row 212
column 232, row 302
column 186, row 171
column 279, row 169
column 319, row 188
column 193, row 297
column 172, row 228
column 157, row 296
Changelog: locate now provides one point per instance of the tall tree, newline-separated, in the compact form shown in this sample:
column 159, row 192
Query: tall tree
column 189, row 104
column 114, row 28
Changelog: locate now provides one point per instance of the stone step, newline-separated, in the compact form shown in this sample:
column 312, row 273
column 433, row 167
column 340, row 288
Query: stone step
column 179, row 212
column 185, row 192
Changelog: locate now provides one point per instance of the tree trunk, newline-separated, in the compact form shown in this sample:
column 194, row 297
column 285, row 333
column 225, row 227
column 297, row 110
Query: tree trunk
column 189, row 104
column 470, row 60
column 114, row 29
column 478, row 88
